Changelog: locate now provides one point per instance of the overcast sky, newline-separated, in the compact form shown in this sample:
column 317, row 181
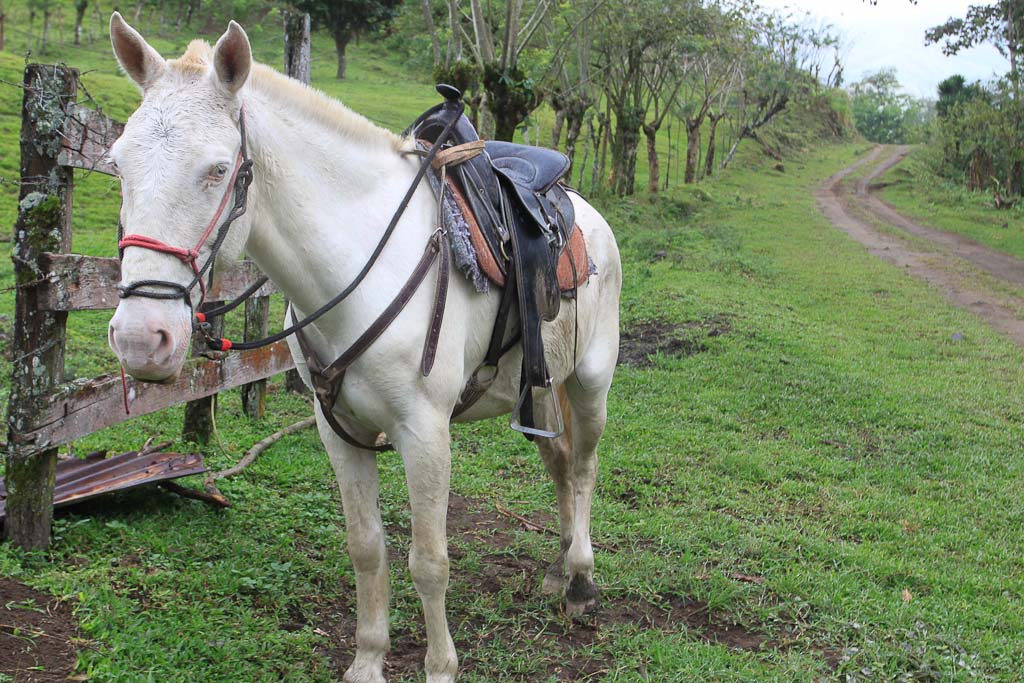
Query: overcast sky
column 891, row 34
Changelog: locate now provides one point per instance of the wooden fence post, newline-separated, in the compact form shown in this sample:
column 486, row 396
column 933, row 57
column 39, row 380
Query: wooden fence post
column 43, row 225
column 297, row 61
column 199, row 417
column 257, row 318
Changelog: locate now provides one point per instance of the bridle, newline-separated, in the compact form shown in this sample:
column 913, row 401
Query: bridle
column 241, row 178
column 326, row 378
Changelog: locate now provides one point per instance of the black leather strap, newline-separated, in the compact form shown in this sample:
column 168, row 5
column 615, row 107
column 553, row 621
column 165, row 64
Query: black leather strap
column 440, row 297
column 327, row 379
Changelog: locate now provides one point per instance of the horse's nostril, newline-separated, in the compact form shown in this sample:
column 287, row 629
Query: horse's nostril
column 164, row 345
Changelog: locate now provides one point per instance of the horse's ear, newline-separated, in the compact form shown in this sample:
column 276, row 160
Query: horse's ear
column 141, row 62
column 232, row 58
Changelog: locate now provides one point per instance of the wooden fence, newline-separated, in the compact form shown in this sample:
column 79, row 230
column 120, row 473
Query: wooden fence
column 44, row 411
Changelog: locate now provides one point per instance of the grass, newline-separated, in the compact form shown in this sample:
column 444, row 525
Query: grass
column 914, row 189
column 848, row 440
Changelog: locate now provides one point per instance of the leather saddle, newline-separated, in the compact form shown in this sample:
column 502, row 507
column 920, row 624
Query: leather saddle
column 526, row 218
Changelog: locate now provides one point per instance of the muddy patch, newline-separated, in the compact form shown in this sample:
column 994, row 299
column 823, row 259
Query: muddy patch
column 532, row 624
column 38, row 636
column 643, row 342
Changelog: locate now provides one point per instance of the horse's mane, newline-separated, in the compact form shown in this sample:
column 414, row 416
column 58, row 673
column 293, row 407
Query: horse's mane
column 288, row 92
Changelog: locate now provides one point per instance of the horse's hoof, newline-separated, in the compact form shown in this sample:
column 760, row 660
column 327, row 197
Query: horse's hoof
column 581, row 598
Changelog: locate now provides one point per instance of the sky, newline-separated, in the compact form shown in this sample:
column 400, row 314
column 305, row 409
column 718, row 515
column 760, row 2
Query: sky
column 891, row 34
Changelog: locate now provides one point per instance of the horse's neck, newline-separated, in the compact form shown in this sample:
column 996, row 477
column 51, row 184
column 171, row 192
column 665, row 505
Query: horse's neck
column 321, row 203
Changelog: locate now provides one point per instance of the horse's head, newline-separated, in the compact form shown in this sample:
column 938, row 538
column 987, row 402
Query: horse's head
column 178, row 159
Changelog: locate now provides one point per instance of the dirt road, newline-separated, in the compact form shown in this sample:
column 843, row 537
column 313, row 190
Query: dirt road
column 974, row 277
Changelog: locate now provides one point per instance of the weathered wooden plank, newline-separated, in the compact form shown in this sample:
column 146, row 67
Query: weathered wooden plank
column 199, row 421
column 37, row 347
column 88, row 135
column 78, row 283
column 89, row 405
column 257, row 324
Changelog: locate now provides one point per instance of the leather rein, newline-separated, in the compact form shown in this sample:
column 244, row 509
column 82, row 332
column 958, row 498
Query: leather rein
column 327, row 378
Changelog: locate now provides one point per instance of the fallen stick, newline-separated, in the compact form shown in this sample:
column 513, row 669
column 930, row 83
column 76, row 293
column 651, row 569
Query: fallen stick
column 186, row 492
column 147, row 449
column 210, row 485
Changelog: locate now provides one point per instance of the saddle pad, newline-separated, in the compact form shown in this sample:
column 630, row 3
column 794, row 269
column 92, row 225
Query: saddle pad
column 573, row 261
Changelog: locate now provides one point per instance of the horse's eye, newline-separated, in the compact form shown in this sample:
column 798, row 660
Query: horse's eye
column 220, row 170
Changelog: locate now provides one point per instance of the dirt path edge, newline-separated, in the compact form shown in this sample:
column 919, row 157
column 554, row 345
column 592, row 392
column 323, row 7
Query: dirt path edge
column 942, row 259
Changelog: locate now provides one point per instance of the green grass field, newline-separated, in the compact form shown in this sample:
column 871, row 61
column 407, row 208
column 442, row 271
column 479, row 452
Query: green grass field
column 818, row 465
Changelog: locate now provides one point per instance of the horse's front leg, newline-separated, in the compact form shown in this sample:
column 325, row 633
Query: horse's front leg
column 426, row 454
column 356, row 470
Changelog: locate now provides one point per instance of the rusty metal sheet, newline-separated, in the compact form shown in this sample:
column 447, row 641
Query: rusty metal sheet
column 94, row 475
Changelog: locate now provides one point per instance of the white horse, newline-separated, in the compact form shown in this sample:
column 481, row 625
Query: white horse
column 326, row 183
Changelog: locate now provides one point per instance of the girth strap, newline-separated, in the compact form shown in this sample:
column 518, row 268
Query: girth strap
column 327, row 379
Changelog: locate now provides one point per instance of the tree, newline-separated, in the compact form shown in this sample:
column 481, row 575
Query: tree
column 955, row 90
column 497, row 45
column 346, row 19
column 883, row 114
column 636, row 39
column 1000, row 24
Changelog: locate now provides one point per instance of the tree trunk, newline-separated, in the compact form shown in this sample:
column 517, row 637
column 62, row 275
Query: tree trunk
column 46, row 31
column 138, row 11
column 454, row 52
column 341, row 39
column 709, row 161
column 604, row 133
column 572, row 134
column 296, row 45
column 625, row 143
column 556, row 129
column 692, row 150
column 79, row 16
column 654, row 171
column 504, row 127
column 193, row 5
column 428, row 19
column 3, row 19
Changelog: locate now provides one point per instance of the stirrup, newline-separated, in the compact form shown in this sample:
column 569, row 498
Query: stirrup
column 516, row 424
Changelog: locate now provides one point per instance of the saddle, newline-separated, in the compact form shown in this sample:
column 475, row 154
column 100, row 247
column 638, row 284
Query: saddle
column 526, row 220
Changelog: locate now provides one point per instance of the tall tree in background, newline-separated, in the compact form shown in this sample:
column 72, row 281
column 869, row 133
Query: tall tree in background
column 635, row 38
column 882, row 113
column 346, row 19
column 1000, row 24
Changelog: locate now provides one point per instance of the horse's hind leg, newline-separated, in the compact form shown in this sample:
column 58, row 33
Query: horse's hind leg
column 557, row 456
column 572, row 461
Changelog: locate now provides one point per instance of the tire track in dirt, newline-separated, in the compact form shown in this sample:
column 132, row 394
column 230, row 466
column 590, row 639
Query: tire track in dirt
column 945, row 260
